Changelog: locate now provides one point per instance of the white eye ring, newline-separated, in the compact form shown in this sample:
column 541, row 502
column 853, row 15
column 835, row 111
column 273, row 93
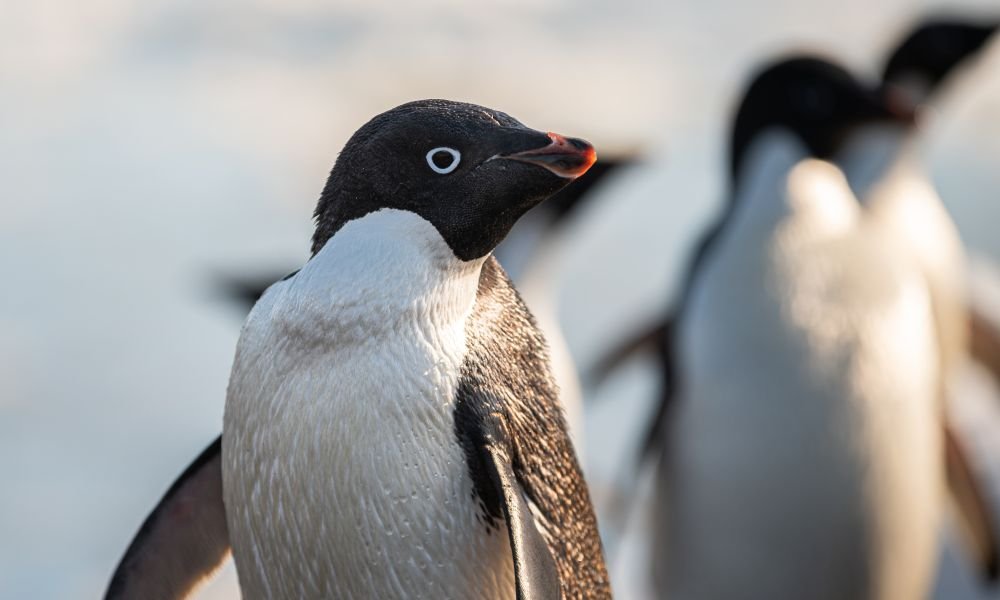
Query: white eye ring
column 456, row 157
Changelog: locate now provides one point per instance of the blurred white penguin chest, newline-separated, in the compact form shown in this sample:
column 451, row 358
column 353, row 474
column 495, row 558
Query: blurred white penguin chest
column 810, row 413
column 343, row 474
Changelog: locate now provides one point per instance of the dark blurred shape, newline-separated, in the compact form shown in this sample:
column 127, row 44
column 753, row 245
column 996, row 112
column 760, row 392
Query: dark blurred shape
column 935, row 47
column 821, row 103
column 245, row 290
column 817, row 100
column 721, row 490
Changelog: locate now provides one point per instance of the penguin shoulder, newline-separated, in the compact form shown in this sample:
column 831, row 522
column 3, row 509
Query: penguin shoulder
column 837, row 266
column 818, row 191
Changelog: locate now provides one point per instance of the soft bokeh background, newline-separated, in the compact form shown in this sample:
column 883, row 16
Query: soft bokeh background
column 150, row 150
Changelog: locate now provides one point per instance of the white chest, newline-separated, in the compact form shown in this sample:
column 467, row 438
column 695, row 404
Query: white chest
column 809, row 412
column 343, row 476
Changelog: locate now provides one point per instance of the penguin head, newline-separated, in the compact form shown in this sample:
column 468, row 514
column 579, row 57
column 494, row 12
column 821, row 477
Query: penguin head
column 929, row 53
column 814, row 99
column 468, row 170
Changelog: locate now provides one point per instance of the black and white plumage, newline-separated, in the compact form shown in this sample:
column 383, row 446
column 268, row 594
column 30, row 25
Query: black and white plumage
column 801, row 446
column 534, row 431
column 885, row 166
column 921, row 67
column 807, row 95
column 392, row 429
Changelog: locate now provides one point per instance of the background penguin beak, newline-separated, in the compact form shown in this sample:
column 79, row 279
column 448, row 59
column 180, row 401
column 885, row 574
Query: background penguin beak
column 566, row 157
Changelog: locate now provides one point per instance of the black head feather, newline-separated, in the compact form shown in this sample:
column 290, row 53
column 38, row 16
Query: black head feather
column 818, row 101
column 934, row 48
column 387, row 164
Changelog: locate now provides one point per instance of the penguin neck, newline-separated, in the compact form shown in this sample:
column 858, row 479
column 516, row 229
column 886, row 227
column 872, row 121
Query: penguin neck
column 385, row 268
column 526, row 241
column 870, row 152
column 759, row 193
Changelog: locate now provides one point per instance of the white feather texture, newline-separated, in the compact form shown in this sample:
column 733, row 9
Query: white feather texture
column 804, row 459
column 343, row 476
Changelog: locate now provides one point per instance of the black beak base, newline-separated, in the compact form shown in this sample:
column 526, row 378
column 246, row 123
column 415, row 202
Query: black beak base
column 566, row 157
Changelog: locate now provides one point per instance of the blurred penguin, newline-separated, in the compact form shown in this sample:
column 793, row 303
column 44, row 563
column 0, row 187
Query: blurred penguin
column 806, row 446
column 886, row 154
column 930, row 52
column 884, row 167
column 921, row 70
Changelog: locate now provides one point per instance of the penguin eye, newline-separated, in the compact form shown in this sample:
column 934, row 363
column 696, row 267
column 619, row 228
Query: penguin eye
column 443, row 160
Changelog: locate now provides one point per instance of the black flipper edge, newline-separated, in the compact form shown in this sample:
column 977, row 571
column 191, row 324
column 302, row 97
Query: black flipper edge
column 183, row 541
column 535, row 571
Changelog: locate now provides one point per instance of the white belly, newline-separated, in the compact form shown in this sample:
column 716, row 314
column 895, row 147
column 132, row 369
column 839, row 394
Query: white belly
column 806, row 458
column 343, row 477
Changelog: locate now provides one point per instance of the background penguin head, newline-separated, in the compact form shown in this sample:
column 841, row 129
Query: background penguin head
column 932, row 50
column 468, row 170
column 818, row 101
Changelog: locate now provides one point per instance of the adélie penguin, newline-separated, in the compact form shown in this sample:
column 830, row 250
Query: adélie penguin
column 803, row 455
column 914, row 72
column 515, row 254
column 922, row 68
column 526, row 256
column 884, row 166
column 929, row 53
column 391, row 426
column 882, row 163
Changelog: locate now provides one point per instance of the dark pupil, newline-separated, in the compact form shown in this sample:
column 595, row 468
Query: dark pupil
column 442, row 159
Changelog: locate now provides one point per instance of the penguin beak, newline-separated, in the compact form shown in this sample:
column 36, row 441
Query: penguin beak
column 566, row 157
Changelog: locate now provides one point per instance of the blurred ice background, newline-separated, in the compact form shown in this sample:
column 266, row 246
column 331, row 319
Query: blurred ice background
column 148, row 150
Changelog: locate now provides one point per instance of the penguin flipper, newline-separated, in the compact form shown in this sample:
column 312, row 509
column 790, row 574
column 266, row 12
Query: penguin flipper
column 649, row 338
column 482, row 432
column 184, row 539
column 985, row 342
column 976, row 521
column 535, row 572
